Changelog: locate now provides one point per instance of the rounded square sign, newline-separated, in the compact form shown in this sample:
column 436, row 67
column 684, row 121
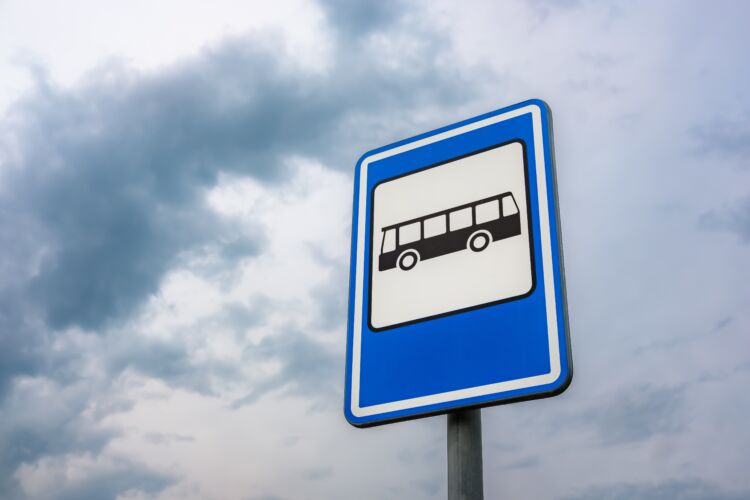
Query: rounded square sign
column 457, row 294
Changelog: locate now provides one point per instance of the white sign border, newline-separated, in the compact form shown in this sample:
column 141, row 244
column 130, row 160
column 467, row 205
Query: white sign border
column 547, row 274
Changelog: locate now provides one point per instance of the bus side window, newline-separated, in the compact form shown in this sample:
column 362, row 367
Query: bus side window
column 488, row 211
column 509, row 206
column 389, row 241
column 409, row 233
column 460, row 219
column 434, row 226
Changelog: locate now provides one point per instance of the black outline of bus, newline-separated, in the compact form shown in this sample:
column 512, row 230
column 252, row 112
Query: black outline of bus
column 474, row 237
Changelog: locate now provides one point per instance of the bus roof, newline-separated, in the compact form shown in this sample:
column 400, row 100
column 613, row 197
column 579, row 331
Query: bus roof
column 447, row 210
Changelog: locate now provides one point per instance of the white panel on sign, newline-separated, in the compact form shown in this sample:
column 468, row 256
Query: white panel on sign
column 484, row 257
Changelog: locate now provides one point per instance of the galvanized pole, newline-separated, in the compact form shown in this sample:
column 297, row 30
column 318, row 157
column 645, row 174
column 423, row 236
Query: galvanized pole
column 465, row 455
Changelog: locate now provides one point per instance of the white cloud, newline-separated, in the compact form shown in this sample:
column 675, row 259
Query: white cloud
column 69, row 39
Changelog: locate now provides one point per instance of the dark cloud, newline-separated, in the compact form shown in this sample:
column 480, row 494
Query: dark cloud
column 359, row 18
column 723, row 323
column 23, row 340
column 112, row 173
column 636, row 414
column 318, row 473
column 44, row 419
column 161, row 438
column 544, row 8
column 174, row 361
column 113, row 480
column 307, row 368
column 734, row 218
column 522, row 463
column 723, row 138
column 331, row 297
column 427, row 487
column 685, row 489
column 171, row 362
column 719, row 328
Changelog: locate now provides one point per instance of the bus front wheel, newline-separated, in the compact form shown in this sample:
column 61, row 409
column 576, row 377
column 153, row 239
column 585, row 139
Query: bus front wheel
column 408, row 260
column 479, row 241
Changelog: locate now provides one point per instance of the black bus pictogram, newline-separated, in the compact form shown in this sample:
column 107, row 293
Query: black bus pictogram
column 472, row 226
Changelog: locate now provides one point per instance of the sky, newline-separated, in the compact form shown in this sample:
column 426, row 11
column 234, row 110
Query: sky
column 175, row 203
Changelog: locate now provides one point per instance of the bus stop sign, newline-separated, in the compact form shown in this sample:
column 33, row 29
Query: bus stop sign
column 457, row 294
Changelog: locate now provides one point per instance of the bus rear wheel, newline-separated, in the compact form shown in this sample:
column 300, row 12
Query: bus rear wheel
column 479, row 241
column 408, row 260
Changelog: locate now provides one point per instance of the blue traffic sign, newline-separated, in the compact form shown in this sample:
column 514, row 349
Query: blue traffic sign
column 456, row 291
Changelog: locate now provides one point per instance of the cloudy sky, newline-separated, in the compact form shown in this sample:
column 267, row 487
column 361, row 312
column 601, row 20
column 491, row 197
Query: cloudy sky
column 175, row 205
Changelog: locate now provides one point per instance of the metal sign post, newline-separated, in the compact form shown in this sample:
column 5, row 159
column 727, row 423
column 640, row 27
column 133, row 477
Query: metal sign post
column 465, row 455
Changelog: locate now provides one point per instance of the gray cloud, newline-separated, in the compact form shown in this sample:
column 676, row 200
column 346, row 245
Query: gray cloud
column 720, row 327
column 522, row 463
column 723, row 138
column 635, row 414
column 166, row 438
column 428, row 487
column 23, row 341
column 331, row 297
column 171, row 362
column 113, row 480
column 46, row 419
column 733, row 218
column 685, row 489
column 307, row 368
column 318, row 473
column 547, row 4
column 359, row 18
